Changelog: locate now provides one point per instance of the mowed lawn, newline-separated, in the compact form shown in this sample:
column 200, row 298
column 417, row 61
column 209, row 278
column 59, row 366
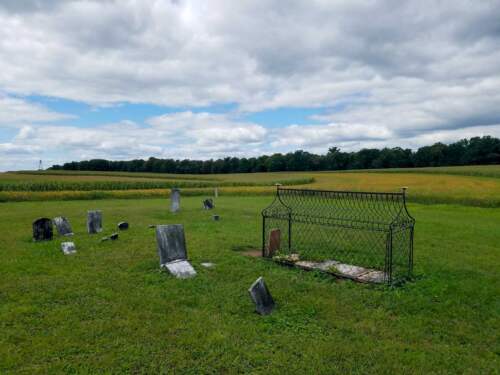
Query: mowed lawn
column 108, row 308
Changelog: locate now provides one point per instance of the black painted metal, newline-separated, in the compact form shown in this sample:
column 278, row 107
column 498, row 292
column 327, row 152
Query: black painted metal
column 369, row 229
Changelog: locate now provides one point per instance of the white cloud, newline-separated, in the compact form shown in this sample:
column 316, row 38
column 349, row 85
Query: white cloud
column 379, row 72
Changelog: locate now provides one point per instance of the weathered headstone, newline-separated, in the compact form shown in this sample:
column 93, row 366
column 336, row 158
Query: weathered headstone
column 42, row 229
column 171, row 243
column 122, row 225
column 62, row 226
column 208, row 204
column 94, row 221
column 181, row 269
column 172, row 250
column 264, row 303
column 112, row 237
column 68, row 248
column 216, row 192
column 175, row 200
column 216, row 217
column 274, row 242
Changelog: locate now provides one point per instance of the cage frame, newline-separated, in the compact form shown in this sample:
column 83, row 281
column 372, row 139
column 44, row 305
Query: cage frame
column 289, row 206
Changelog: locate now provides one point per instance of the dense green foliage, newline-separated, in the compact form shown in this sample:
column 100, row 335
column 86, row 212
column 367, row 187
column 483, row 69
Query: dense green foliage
column 477, row 150
column 108, row 309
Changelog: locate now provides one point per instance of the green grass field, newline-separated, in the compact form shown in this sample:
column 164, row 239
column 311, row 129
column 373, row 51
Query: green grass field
column 108, row 308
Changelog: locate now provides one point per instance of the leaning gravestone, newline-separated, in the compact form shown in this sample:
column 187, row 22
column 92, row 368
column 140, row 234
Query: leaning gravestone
column 208, row 204
column 123, row 225
column 274, row 243
column 94, row 221
column 62, row 226
column 68, row 248
column 216, row 192
column 42, row 229
column 175, row 200
column 171, row 244
column 264, row 303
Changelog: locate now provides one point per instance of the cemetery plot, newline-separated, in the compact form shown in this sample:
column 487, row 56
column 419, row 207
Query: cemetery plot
column 368, row 235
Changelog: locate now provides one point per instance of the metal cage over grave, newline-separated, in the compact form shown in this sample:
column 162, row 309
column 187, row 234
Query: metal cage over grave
column 369, row 232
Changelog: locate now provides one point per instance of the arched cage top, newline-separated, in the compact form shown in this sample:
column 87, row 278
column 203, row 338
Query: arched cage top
column 363, row 210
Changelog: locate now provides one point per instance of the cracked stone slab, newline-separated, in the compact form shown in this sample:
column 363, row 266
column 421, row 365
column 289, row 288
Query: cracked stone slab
column 307, row 265
column 327, row 264
column 350, row 270
column 181, row 269
column 373, row 277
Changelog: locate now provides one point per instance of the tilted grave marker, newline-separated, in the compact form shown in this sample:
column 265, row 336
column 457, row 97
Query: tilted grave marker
column 62, row 226
column 171, row 244
column 42, row 229
column 264, row 303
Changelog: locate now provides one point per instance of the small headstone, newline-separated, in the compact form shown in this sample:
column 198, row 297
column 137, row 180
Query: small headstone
column 216, row 217
column 62, row 226
column 171, row 243
column 181, row 269
column 208, row 264
column 68, row 248
column 111, row 237
column 175, row 200
column 216, row 192
column 94, row 221
column 151, row 226
column 264, row 303
column 42, row 229
column 208, row 204
column 123, row 225
column 274, row 242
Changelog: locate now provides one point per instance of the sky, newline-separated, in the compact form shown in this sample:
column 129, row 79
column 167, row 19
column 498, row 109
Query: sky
column 207, row 79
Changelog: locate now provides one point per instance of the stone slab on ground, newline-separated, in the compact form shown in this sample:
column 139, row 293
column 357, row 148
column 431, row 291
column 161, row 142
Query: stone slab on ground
column 373, row 277
column 327, row 265
column 68, row 248
column 264, row 303
column 208, row 264
column 181, row 269
column 350, row 270
column 307, row 265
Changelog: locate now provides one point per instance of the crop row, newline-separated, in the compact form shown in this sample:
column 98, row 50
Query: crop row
column 45, row 186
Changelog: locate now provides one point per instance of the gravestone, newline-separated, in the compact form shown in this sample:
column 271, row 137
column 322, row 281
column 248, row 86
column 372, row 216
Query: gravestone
column 216, row 192
column 62, row 226
column 94, row 221
column 112, row 237
column 171, row 243
column 172, row 250
column 151, row 226
column 68, row 248
column 181, row 269
column 42, row 229
column 274, row 242
column 123, row 225
column 208, row 204
column 264, row 303
column 175, row 200
column 216, row 217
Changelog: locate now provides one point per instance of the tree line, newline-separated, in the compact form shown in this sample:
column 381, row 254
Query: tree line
column 476, row 150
